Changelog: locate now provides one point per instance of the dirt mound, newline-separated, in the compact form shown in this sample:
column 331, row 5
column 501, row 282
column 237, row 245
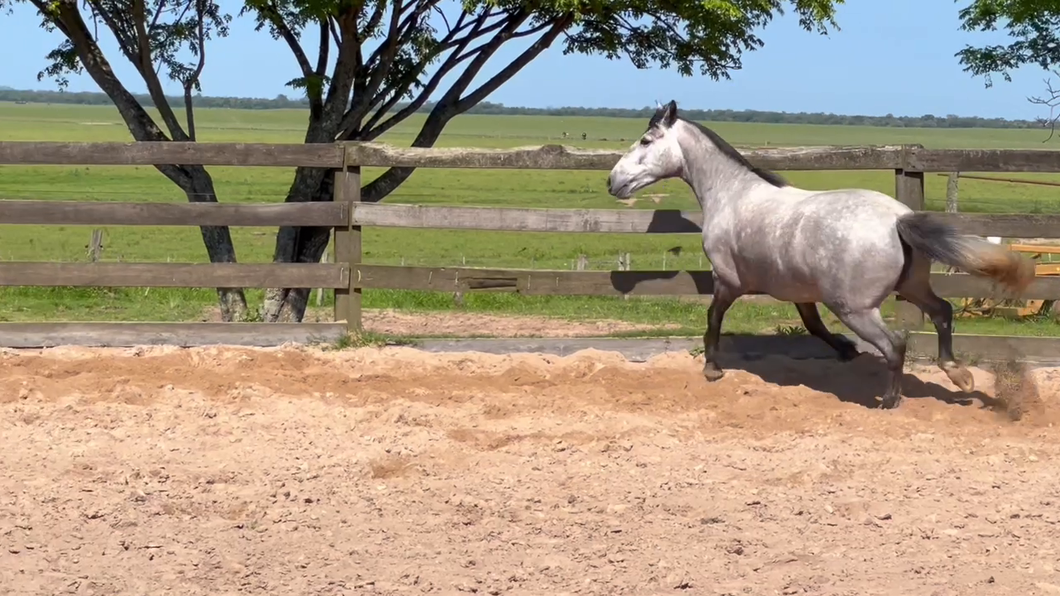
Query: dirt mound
column 394, row 471
column 473, row 324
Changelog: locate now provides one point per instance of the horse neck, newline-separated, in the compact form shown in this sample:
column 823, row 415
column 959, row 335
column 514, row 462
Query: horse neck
column 716, row 180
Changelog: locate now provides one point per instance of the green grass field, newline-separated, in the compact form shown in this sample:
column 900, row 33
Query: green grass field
column 443, row 187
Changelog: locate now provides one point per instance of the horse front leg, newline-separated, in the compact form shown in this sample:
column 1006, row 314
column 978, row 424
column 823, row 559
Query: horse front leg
column 724, row 296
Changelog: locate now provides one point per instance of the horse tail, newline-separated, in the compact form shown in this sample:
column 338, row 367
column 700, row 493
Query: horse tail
column 941, row 242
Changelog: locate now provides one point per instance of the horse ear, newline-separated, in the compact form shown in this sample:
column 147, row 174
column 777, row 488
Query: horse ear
column 669, row 115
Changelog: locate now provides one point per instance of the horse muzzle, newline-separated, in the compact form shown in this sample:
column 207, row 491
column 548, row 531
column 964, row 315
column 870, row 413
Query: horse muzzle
column 622, row 191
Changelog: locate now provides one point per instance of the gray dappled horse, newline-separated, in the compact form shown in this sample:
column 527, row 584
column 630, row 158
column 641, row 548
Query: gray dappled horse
column 848, row 249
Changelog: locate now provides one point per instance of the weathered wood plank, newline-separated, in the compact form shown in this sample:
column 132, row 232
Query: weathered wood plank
column 553, row 157
column 347, row 190
column 996, row 348
column 324, row 155
column 1005, row 225
column 114, row 213
column 641, row 221
column 124, row 335
column 909, row 189
column 533, row 282
column 983, row 160
column 959, row 285
column 561, row 157
column 1041, row 249
column 638, row 221
column 175, row 275
column 617, row 283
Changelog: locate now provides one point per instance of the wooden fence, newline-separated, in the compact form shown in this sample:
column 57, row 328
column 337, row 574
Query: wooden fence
column 348, row 275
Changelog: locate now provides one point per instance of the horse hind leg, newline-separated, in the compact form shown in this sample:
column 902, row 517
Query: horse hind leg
column 918, row 292
column 811, row 318
column 869, row 325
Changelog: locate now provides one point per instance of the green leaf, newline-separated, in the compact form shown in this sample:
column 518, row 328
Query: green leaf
column 1031, row 25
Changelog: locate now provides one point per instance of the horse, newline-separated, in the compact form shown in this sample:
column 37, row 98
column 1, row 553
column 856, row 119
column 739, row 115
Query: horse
column 848, row 249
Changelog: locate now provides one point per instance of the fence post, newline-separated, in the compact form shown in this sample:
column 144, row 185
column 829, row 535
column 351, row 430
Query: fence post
column 909, row 189
column 348, row 245
column 95, row 245
column 952, row 182
column 623, row 265
column 324, row 258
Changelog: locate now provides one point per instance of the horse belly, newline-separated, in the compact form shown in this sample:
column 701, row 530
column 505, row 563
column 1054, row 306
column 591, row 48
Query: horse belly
column 788, row 288
column 787, row 281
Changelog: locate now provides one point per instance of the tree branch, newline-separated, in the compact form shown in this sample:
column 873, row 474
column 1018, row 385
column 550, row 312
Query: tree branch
column 506, row 73
column 193, row 79
column 68, row 19
column 400, row 89
column 406, row 26
column 376, row 18
column 347, row 66
column 452, row 105
column 313, row 92
column 531, row 31
column 158, row 14
column 386, row 51
column 322, row 52
column 145, row 65
column 334, row 32
column 1053, row 101
column 484, row 52
column 371, row 131
column 126, row 38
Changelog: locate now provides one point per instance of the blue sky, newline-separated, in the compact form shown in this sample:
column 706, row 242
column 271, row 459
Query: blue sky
column 852, row 71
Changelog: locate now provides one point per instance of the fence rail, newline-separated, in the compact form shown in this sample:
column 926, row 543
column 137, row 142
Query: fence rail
column 616, row 283
column 72, row 213
column 641, row 221
column 348, row 275
column 176, row 275
column 498, row 219
column 912, row 158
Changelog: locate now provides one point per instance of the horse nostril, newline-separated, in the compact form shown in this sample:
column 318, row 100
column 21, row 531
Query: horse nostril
column 609, row 181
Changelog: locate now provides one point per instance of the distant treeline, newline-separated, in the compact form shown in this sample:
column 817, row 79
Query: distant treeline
column 283, row 102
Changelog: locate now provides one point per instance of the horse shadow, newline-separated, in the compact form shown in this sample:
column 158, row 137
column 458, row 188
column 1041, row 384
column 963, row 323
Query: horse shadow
column 860, row 381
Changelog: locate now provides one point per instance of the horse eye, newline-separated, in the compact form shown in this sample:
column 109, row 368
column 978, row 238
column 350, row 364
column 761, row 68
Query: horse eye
column 645, row 141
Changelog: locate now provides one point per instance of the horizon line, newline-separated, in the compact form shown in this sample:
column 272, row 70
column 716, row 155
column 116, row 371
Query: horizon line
column 300, row 102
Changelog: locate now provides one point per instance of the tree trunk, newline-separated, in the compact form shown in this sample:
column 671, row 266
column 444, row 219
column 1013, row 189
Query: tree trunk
column 307, row 245
column 299, row 245
column 195, row 181
column 218, row 241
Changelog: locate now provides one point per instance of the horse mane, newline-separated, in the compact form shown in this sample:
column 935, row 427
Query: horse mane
column 729, row 151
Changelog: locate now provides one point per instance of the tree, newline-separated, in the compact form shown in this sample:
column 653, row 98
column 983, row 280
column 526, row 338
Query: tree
column 1032, row 26
column 375, row 62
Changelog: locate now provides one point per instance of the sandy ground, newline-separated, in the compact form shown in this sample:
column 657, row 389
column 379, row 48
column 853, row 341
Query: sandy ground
column 470, row 324
column 465, row 324
column 297, row 471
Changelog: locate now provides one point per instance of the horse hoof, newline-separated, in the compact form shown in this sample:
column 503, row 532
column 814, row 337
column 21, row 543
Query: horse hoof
column 890, row 403
column 960, row 376
column 713, row 374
